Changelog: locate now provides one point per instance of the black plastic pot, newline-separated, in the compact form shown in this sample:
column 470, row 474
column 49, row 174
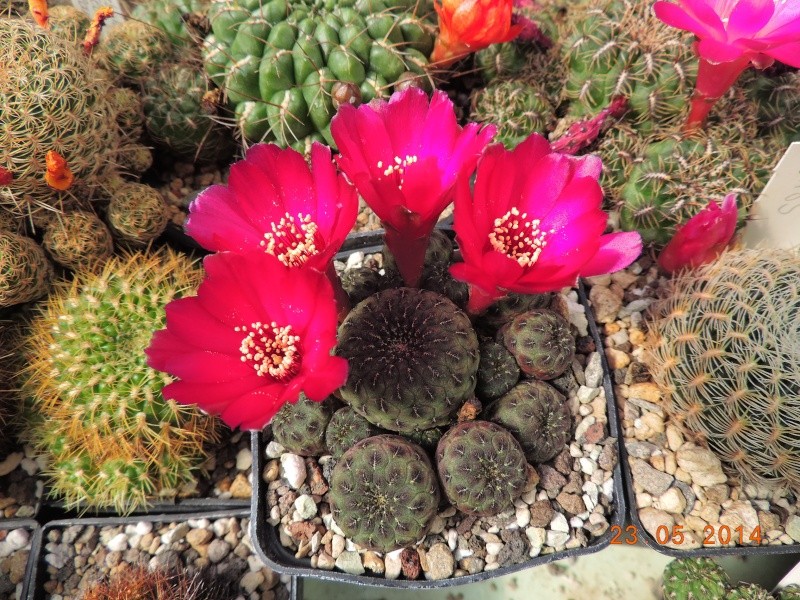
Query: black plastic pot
column 37, row 568
column 265, row 537
column 710, row 551
column 36, row 543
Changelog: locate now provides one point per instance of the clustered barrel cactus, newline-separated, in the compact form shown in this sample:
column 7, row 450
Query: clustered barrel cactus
column 703, row 579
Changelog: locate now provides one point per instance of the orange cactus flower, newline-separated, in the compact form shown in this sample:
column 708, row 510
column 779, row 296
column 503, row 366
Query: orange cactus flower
column 58, row 175
column 6, row 176
column 93, row 34
column 468, row 25
column 39, row 12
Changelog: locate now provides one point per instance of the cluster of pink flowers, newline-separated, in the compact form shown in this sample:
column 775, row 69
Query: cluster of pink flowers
column 262, row 326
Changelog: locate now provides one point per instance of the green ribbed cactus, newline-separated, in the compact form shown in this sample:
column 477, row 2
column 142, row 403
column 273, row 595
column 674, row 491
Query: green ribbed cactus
column 134, row 159
column 749, row 591
column 500, row 61
column 180, row 106
column 361, row 282
column 778, row 101
column 184, row 21
column 137, row 214
column 537, row 415
column 673, row 178
column 482, row 468
column 129, row 109
column 78, row 240
column 384, row 493
column 541, row 342
column 413, row 358
column 694, row 579
column 619, row 47
column 95, row 407
column 506, row 309
column 25, row 272
column 278, row 61
column 725, row 351
column 518, row 108
column 69, row 22
column 498, row 371
column 39, row 66
column 345, row 429
column 300, row 426
column 790, row 592
column 132, row 48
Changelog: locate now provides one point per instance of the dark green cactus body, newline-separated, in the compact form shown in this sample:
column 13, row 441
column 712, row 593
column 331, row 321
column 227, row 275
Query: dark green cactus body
column 345, row 429
column 360, row 283
column 500, row 60
column 278, row 61
column 498, row 371
column 749, row 591
column 482, row 468
column 504, row 310
column 694, row 579
column 541, row 342
column 25, row 272
column 428, row 438
column 778, row 101
column 181, row 20
column 790, row 592
column 384, row 493
column 300, row 427
column 518, row 108
column 68, row 22
column 538, row 416
column 413, row 357
column 132, row 48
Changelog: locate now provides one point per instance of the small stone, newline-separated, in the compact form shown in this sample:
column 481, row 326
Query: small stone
column 672, row 501
column 11, row 462
column 409, row 559
column 559, row 523
column 606, row 304
column 251, row 580
column 594, row 371
column 218, row 550
column 240, row 487
column 373, row 562
column 740, row 514
column 198, row 538
column 393, row 564
column 337, row 545
column 541, row 513
column 350, row 562
column 704, row 468
column 441, row 563
column 648, row 478
column 316, row 481
column 244, row 459
column 118, row 543
column 550, row 479
column 325, row 561
column 274, row 450
column 143, row 527
column 586, row 394
column 523, row 516
column 571, row 503
column 556, row 539
column 653, row 518
column 594, row 433
column 617, row 359
column 646, row 391
column 293, row 469
column 305, row 506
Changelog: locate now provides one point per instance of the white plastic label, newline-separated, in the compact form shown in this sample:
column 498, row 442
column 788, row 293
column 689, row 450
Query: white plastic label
column 775, row 217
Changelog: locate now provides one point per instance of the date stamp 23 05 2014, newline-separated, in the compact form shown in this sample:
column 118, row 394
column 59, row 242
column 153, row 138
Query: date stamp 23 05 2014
column 720, row 535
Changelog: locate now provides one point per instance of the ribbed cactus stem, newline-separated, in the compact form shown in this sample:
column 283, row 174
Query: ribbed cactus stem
column 713, row 80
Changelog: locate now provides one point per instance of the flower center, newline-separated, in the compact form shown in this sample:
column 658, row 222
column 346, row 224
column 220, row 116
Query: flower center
column 397, row 168
column 293, row 240
column 270, row 349
column 518, row 238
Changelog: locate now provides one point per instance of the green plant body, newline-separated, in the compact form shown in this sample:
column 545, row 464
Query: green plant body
column 300, row 427
column 498, row 371
column 749, row 591
column 694, row 579
column 78, row 240
column 133, row 48
column 541, row 342
column 184, row 21
column 345, row 429
column 517, row 107
column 25, row 272
column 137, row 214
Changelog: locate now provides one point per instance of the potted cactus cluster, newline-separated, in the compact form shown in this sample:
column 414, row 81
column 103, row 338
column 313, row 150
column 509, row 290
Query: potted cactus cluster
column 558, row 186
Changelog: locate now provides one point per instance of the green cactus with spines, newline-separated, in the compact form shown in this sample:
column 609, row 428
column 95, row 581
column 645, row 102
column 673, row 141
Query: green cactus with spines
column 482, row 468
column 95, row 408
column 131, row 49
column 134, row 159
column 619, row 47
column 68, row 22
column 181, row 106
column 78, row 240
column 724, row 351
column 541, row 342
column 790, row 592
column 694, row 579
column 360, row 283
column 498, row 371
column 537, row 415
column 749, row 591
column 9, row 222
column 413, row 358
column 500, row 61
column 80, row 127
column 345, row 429
column 778, row 105
column 442, row 282
column 278, row 61
column 383, row 493
column 427, row 438
column 675, row 177
column 10, row 401
column 25, row 272
column 137, row 214
column 129, row 110
column 184, row 21
column 507, row 308
column 300, row 426
column 517, row 107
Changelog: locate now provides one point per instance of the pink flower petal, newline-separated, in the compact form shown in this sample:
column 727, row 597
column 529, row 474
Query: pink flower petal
column 332, row 376
column 216, row 225
column 617, row 251
column 705, row 24
column 717, row 52
column 787, row 53
column 749, row 17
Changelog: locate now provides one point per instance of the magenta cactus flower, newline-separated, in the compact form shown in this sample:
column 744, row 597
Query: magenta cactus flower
column 733, row 34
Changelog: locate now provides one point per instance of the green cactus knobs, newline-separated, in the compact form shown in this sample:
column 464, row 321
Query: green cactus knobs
column 78, row 240
column 413, row 358
column 345, row 429
column 749, row 591
column 506, row 309
column 482, row 468
column 694, row 579
column 300, row 427
column 518, row 109
column 137, row 214
column 278, row 61
column 384, row 493
column 133, row 48
column 498, row 371
column 541, row 342
column 537, row 415
column 25, row 272
column 361, row 283
column 725, row 352
column 790, row 592
column 96, row 410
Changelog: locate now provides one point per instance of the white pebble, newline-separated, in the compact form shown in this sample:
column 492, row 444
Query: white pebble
column 556, row 539
column 244, row 459
column 588, row 466
column 17, row 539
column 523, row 516
column 452, row 539
column 559, row 523
column 118, row 543
column 306, row 507
column 393, row 565
column 293, row 469
column 587, row 394
column 274, row 450
column 251, row 580
column 29, row 466
column 493, row 548
column 337, row 545
column 355, row 260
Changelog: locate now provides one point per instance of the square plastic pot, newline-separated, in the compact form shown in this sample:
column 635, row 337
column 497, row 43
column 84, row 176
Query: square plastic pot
column 36, row 544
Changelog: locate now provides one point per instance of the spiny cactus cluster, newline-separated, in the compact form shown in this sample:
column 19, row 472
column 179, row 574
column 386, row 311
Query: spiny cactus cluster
column 345, row 429
column 517, row 107
column 300, row 427
column 142, row 583
column 137, row 214
column 413, row 359
column 778, row 102
column 384, row 493
column 498, row 370
column 725, row 350
column 78, row 240
column 95, row 407
column 25, row 272
column 541, row 342
column 694, row 579
column 278, row 61
column 482, row 468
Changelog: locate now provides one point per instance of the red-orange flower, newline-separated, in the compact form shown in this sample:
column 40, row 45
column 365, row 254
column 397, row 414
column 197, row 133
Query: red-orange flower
column 6, row 176
column 39, row 12
column 93, row 34
column 469, row 25
column 58, row 176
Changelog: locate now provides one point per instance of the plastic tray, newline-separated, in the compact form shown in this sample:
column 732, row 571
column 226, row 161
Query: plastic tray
column 36, row 544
